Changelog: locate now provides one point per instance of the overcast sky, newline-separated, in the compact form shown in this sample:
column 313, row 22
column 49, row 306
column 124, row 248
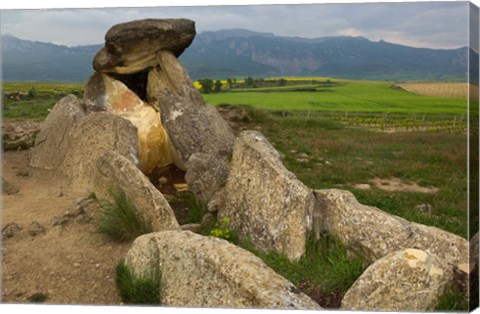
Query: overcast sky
column 428, row 24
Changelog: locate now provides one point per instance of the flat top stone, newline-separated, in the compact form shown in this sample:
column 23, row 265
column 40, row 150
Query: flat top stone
column 119, row 38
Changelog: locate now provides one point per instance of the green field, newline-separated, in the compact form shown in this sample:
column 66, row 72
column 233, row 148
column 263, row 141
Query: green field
column 343, row 95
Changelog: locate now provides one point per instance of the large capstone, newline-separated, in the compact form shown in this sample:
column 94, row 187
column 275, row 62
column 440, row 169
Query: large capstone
column 264, row 202
column 131, row 47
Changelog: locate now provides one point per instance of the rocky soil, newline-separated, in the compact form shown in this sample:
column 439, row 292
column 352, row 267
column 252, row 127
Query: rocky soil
column 53, row 250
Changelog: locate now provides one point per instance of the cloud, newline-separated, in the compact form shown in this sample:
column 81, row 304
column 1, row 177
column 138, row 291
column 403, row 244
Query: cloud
column 430, row 24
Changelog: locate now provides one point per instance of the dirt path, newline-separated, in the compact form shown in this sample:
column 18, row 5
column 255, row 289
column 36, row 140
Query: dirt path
column 70, row 263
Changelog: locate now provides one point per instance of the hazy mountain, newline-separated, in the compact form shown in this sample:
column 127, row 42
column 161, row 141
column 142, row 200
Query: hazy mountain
column 239, row 53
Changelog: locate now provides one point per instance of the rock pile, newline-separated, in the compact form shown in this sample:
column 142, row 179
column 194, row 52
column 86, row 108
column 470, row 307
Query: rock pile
column 141, row 112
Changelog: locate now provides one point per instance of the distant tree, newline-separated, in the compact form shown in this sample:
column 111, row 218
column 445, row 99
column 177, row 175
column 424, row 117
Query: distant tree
column 218, row 86
column 249, row 81
column 282, row 82
column 32, row 93
column 230, row 82
column 206, row 86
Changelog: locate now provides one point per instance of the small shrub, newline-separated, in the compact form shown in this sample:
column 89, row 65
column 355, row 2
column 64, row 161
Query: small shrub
column 133, row 290
column 222, row 230
column 120, row 220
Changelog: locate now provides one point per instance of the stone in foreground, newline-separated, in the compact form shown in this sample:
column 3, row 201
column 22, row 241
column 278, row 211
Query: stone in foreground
column 406, row 280
column 131, row 47
column 199, row 271
column 265, row 202
column 117, row 172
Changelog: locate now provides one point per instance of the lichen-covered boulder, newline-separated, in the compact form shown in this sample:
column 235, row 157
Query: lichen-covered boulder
column 199, row 271
column 373, row 233
column 192, row 126
column 131, row 47
column 104, row 93
column 91, row 138
column 406, row 280
column 206, row 175
column 53, row 141
column 265, row 202
column 114, row 171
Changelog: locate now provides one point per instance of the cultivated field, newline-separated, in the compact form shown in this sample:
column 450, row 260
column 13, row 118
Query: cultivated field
column 438, row 89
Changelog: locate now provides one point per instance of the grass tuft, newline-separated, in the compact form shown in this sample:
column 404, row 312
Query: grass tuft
column 133, row 290
column 120, row 220
column 453, row 300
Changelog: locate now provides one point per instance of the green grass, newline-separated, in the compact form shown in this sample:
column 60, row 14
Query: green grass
column 351, row 96
column 133, row 290
column 119, row 220
column 325, row 266
column 453, row 300
column 34, row 105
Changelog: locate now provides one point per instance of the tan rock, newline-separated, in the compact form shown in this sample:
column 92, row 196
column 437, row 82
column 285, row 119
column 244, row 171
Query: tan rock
column 198, row 271
column 372, row 233
column 406, row 280
column 53, row 141
column 116, row 171
column 103, row 93
column 91, row 138
column 192, row 126
column 131, row 47
column 265, row 202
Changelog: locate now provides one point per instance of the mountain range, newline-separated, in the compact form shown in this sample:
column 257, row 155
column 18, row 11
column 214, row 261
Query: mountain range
column 239, row 53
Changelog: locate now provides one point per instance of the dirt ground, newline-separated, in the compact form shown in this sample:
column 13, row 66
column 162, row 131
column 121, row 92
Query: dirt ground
column 69, row 263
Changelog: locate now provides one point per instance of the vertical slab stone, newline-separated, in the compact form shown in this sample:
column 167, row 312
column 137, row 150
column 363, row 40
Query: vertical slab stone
column 114, row 171
column 192, row 126
column 53, row 141
column 104, row 93
column 265, row 202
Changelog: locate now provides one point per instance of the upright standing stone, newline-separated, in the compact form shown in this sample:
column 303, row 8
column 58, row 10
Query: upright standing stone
column 192, row 126
column 265, row 202
column 53, row 141
column 103, row 93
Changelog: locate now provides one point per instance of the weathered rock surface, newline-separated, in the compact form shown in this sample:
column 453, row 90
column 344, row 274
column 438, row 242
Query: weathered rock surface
column 118, row 172
column 206, row 175
column 406, row 280
column 19, row 134
column 198, row 271
column 91, row 138
column 53, row 141
column 192, row 126
column 372, row 233
column 103, row 93
column 264, row 201
column 10, row 229
column 131, row 47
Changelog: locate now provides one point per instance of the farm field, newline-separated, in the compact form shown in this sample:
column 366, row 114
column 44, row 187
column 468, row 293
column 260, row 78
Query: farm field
column 339, row 95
